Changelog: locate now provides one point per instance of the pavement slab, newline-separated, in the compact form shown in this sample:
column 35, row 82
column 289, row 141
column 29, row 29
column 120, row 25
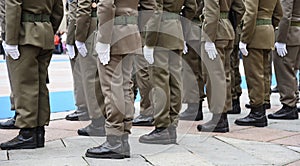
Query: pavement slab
column 268, row 152
column 291, row 140
column 286, row 125
column 60, row 161
column 134, row 160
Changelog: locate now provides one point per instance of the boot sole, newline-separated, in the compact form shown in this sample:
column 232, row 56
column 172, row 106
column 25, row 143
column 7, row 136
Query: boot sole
column 223, row 130
column 106, row 156
column 283, row 118
column 190, row 119
column 162, row 142
column 252, row 124
column 20, row 147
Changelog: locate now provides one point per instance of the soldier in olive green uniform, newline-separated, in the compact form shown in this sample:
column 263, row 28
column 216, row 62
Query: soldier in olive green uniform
column 258, row 20
column 163, row 48
column 30, row 27
column 287, row 59
column 218, row 37
column 82, row 112
column 193, row 80
column 85, row 34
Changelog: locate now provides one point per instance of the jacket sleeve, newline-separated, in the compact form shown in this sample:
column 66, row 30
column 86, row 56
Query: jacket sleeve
column 285, row 22
column 71, row 23
column 57, row 15
column 239, row 7
column 106, row 14
column 13, row 12
column 2, row 15
column 212, row 16
column 277, row 14
column 249, row 20
column 153, row 25
column 83, row 20
column 189, row 10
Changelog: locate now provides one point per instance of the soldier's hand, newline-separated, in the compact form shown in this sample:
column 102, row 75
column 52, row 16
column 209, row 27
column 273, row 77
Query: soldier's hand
column 281, row 49
column 103, row 51
column 211, row 50
column 243, row 48
column 11, row 50
column 81, row 48
column 71, row 51
column 185, row 48
column 148, row 54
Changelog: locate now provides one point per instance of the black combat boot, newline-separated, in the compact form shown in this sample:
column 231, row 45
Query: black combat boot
column 111, row 149
column 193, row 112
column 236, row 108
column 157, row 136
column 286, row 112
column 40, row 136
column 10, row 123
column 143, row 120
column 218, row 123
column 257, row 117
column 78, row 115
column 173, row 134
column 96, row 128
column 25, row 140
column 126, row 147
column 266, row 105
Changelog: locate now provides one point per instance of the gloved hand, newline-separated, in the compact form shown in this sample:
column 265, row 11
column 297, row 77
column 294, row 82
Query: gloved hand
column 81, row 48
column 211, row 50
column 103, row 51
column 71, row 51
column 11, row 50
column 148, row 54
column 281, row 49
column 185, row 48
column 243, row 48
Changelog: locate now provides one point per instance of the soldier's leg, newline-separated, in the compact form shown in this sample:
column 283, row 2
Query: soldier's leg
column 286, row 83
column 267, row 80
column 254, row 71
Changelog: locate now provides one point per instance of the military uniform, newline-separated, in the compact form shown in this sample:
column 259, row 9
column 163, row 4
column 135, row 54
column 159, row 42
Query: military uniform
column 30, row 27
column 82, row 112
column 164, row 35
column 218, row 29
column 86, row 24
column 258, row 20
column 193, row 79
column 118, row 40
column 286, row 67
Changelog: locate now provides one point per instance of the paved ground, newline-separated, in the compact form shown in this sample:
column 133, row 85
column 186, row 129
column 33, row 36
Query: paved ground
column 277, row 144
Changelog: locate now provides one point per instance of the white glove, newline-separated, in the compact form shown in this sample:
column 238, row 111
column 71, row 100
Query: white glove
column 148, row 54
column 243, row 48
column 103, row 51
column 185, row 48
column 71, row 51
column 211, row 50
column 281, row 49
column 11, row 50
column 81, row 48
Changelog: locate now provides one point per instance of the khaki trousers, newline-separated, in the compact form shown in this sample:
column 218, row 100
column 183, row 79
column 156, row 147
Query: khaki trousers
column 28, row 80
column 257, row 73
column 78, row 86
column 167, row 86
column 116, row 84
column 218, row 77
column 285, row 71
column 236, row 80
column 192, row 77
column 143, row 83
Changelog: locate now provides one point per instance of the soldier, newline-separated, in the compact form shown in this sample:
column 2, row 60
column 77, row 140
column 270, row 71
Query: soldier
column 163, row 48
column 117, row 42
column 258, row 20
column 85, row 34
column 193, row 80
column 287, row 59
column 30, row 27
column 218, row 37
column 82, row 112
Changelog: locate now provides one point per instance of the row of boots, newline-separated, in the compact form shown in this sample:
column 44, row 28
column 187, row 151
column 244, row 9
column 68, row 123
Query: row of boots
column 28, row 138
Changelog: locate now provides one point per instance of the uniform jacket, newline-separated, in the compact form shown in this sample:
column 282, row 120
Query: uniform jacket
column 71, row 22
column 39, row 34
column 215, row 28
column 2, row 15
column 191, row 22
column 124, row 39
column 291, row 13
column 260, row 36
column 168, row 33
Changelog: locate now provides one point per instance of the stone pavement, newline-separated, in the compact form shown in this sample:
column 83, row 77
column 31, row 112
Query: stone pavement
column 277, row 144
